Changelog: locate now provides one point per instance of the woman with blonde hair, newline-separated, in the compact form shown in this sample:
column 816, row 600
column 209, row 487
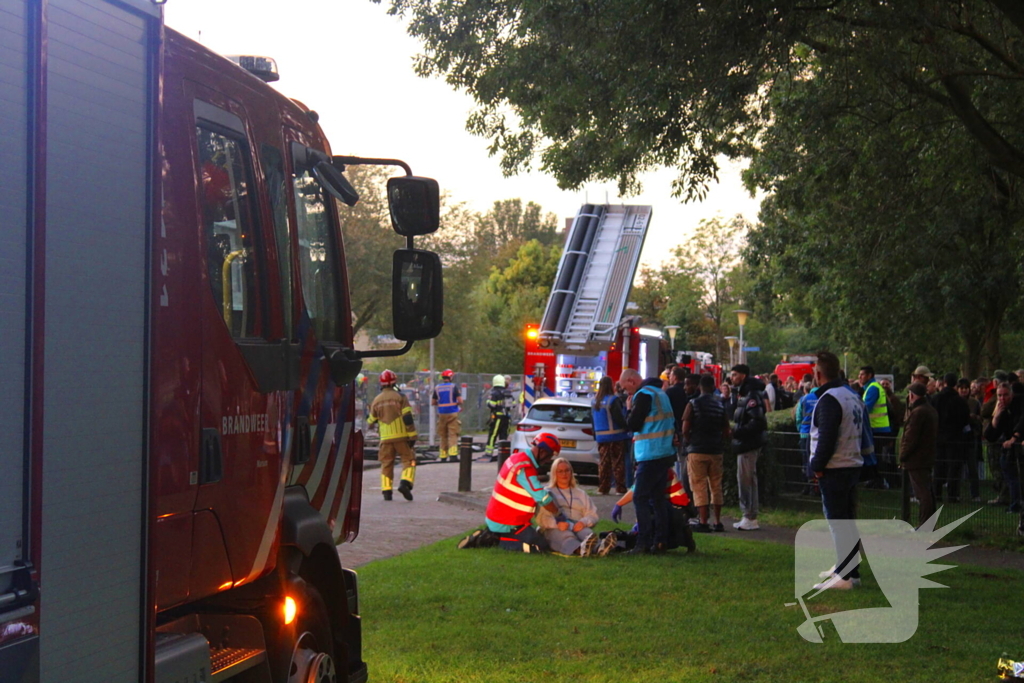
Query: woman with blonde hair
column 576, row 535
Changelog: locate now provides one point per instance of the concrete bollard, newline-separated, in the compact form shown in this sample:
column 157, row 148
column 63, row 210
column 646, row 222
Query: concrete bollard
column 465, row 463
column 504, row 451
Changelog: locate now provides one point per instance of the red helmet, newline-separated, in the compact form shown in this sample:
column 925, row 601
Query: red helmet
column 387, row 378
column 448, row 374
column 548, row 441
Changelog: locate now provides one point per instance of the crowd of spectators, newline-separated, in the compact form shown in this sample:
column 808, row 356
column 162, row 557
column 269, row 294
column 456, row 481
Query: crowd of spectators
column 949, row 434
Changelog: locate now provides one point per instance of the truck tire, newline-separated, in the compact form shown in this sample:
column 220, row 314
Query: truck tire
column 303, row 651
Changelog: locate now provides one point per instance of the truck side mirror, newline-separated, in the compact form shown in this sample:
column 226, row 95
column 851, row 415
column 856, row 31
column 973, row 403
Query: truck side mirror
column 417, row 294
column 415, row 205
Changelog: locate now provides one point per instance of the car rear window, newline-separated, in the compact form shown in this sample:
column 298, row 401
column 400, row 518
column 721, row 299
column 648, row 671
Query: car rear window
column 554, row 413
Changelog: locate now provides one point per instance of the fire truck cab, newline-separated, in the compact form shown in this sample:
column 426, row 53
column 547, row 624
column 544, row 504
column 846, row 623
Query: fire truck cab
column 178, row 456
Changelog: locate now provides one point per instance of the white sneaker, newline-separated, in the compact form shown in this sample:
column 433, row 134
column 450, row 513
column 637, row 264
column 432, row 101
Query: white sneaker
column 746, row 525
column 827, row 573
column 837, row 582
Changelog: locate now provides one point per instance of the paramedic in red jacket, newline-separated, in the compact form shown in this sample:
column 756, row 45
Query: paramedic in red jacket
column 518, row 492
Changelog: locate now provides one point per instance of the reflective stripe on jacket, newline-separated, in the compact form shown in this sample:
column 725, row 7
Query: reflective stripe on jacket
column 655, row 439
column 391, row 409
column 676, row 493
column 446, row 399
column 606, row 427
column 510, row 503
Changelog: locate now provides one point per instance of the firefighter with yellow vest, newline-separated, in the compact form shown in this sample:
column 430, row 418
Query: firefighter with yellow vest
column 875, row 401
column 390, row 410
column 497, row 405
column 448, row 400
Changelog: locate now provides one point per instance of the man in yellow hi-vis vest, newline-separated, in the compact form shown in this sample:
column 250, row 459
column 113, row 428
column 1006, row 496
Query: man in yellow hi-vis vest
column 390, row 410
column 875, row 401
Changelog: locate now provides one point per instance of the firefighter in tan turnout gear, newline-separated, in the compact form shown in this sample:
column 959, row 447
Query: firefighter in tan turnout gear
column 390, row 410
column 448, row 400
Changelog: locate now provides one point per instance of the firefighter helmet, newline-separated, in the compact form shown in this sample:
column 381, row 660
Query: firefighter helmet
column 448, row 374
column 498, row 381
column 548, row 441
column 388, row 378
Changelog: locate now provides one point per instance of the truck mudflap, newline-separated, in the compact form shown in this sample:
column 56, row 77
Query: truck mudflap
column 357, row 672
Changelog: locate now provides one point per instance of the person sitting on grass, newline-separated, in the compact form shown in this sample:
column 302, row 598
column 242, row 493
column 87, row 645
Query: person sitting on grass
column 575, row 536
column 679, row 532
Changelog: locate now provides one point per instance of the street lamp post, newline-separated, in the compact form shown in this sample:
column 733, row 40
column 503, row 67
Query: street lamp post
column 742, row 316
column 732, row 345
column 672, row 329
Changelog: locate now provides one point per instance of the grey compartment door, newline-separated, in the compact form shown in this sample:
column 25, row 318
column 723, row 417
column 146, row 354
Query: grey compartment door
column 14, row 225
column 100, row 93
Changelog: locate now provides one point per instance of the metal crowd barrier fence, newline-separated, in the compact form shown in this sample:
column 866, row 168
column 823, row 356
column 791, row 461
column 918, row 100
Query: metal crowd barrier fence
column 970, row 482
column 416, row 386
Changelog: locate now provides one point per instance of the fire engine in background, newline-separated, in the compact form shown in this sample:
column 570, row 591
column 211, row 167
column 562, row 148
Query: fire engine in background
column 796, row 367
column 178, row 457
column 550, row 374
column 699, row 363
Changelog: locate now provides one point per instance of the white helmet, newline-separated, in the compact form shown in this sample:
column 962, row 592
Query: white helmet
column 498, row 381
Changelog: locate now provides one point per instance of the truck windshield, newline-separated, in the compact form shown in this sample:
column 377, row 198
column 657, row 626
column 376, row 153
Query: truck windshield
column 318, row 257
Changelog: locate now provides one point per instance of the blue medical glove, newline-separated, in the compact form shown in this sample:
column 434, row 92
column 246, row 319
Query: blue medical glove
column 616, row 513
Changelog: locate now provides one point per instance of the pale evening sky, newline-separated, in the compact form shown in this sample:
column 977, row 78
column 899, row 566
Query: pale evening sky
column 352, row 62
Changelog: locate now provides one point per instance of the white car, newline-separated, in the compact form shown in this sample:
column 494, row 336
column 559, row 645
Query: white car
column 569, row 419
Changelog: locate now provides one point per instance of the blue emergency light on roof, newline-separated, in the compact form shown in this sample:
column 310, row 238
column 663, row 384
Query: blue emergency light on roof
column 263, row 68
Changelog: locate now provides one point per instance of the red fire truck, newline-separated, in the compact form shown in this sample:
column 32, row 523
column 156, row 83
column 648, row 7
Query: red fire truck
column 549, row 373
column 700, row 362
column 178, row 458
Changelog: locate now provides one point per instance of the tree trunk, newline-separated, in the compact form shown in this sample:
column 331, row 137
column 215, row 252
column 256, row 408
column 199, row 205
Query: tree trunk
column 993, row 321
column 973, row 338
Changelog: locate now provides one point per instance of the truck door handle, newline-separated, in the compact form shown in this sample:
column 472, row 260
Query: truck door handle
column 302, row 446
column 211, row 461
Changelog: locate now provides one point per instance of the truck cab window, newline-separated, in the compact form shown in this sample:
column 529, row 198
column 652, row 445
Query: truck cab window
column 318, row 257
column 277, row 187
column 228, row 227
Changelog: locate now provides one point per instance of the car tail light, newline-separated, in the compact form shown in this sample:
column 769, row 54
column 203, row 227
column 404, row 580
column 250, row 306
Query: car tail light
column 527, row 428
column 588, row 431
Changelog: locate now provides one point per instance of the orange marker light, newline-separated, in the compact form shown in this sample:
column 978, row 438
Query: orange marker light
column 290, row 609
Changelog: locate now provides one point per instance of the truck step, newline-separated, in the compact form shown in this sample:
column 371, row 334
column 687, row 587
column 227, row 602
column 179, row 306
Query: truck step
column 226, row 662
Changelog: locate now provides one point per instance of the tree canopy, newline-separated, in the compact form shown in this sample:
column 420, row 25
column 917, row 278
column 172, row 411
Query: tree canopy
column 606, row 89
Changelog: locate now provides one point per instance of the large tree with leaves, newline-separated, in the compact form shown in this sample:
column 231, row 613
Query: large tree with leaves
column 886, row 226
column 604, row 90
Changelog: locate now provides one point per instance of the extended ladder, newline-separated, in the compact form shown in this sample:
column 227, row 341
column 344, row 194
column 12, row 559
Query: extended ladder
column 594, row 277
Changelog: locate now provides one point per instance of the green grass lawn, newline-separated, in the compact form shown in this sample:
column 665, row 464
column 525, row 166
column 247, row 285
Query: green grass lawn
column 1005, row 539
column 444, row 615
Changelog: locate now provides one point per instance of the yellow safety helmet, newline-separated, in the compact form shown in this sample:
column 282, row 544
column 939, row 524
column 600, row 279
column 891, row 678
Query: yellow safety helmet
column 498, row 381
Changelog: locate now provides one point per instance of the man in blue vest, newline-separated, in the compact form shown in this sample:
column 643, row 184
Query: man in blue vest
column 653, row 425
column 448, row 400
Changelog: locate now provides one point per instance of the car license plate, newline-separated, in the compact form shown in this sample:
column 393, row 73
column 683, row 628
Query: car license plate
column 567, row 443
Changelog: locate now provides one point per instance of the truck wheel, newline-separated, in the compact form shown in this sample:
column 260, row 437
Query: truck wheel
column 304, row 652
